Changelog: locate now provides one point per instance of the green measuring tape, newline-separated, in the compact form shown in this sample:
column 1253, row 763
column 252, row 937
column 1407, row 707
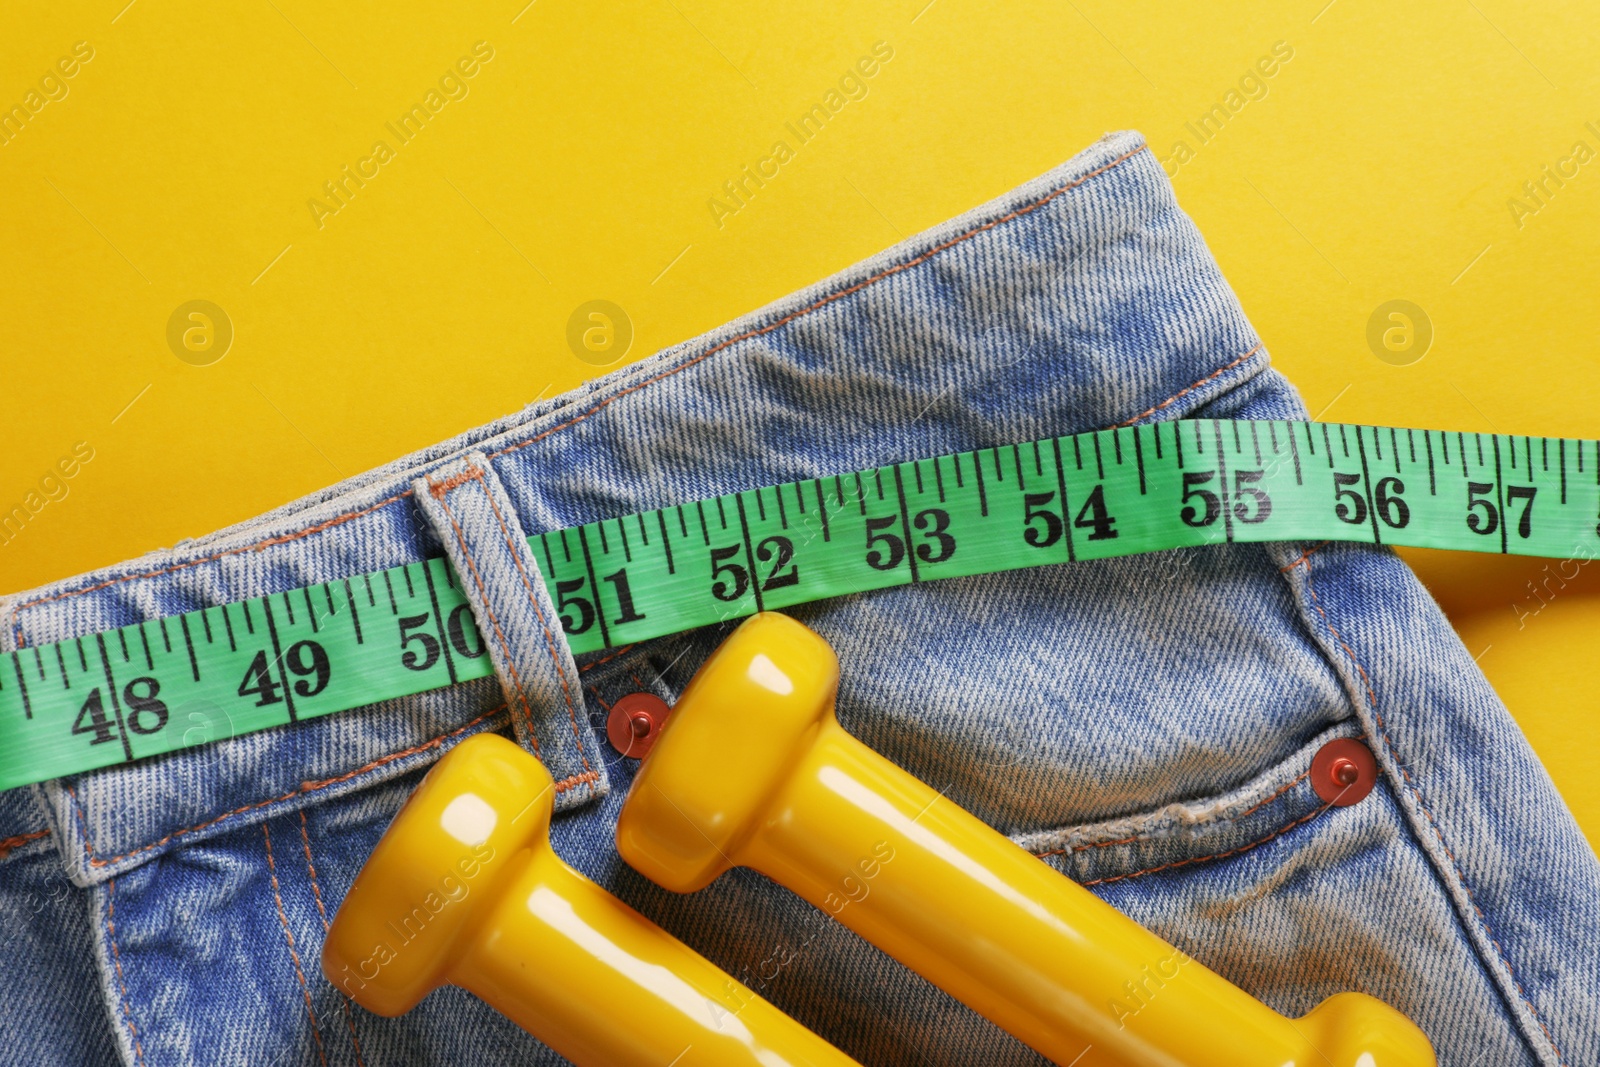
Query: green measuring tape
column 117, row 696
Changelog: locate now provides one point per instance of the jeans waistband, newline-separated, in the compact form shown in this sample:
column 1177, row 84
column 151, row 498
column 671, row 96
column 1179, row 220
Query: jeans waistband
column 1080, row 300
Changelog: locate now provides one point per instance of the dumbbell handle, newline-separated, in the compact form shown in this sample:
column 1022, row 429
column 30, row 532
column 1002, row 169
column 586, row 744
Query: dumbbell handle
column 465, row 889
column 931, row 885
column 601, row 984
column 753, row 769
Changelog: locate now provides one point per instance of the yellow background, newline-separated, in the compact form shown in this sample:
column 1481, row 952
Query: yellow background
column 1379, row 164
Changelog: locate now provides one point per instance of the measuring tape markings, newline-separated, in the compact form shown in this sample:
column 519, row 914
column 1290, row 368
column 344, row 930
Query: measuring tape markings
column 180, row 681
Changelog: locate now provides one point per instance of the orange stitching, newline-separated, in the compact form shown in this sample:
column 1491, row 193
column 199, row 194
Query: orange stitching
column 305, row 839
column 116, row 957
column 1303, row 557
column 305, row 788
column 305, row 990
column 337, row 520
column 1144, row 837
column 573, row 780
column 1191, row 387
column 1301, row 821
column 544, row 623
column 1302, row 776
column 516, row 677
column 831, row 298
column 316, row 893
column 604, row 706
column 595, row 663
column 439, row 489
column 1416, row 793
column 1372, row 697
column 1279, row 832
column 21, row 839
column 1093, row 844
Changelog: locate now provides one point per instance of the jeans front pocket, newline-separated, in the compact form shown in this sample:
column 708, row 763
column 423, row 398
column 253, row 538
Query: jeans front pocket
column 1293, row 899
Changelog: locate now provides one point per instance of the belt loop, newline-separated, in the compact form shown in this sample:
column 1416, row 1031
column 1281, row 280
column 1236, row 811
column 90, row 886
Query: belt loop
column 500, row 578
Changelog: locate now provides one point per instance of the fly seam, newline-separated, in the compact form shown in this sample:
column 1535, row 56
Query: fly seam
column 294, row 953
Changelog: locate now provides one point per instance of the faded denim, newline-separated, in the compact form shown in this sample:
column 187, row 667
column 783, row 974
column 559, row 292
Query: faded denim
column 1144, row 724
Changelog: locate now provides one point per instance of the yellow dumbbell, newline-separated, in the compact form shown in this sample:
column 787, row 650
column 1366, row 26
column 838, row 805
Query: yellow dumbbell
column 464, row 889
column 752, row 769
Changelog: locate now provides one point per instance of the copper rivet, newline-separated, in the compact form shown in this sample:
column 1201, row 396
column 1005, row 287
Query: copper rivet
column 1343, row 772
column 635, row 722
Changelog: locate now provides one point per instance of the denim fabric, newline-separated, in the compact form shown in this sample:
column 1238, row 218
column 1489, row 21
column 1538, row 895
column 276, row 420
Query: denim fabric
column 500, row 577
column 1144, row 724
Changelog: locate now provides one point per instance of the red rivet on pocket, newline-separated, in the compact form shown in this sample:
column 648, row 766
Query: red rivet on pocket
column 1343, row 772
column 635, row 723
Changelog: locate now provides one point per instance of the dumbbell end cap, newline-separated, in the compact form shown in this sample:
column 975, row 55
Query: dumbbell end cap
column 747, row 715
column 432, row 875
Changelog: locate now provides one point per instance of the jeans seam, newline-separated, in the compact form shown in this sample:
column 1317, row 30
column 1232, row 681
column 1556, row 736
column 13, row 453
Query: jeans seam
column 1302, row 776
column 322, row 913
column 1279, row 832
column 1186, row 390
column 1164, row 834
column 294, row 535
column 1416, row 793
column 592, row 664
column 18, row 841
column 116, row 959
column 294, row 953
column 306, row 789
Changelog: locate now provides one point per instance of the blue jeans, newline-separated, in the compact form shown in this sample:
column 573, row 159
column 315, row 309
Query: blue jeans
column 1145, row 724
